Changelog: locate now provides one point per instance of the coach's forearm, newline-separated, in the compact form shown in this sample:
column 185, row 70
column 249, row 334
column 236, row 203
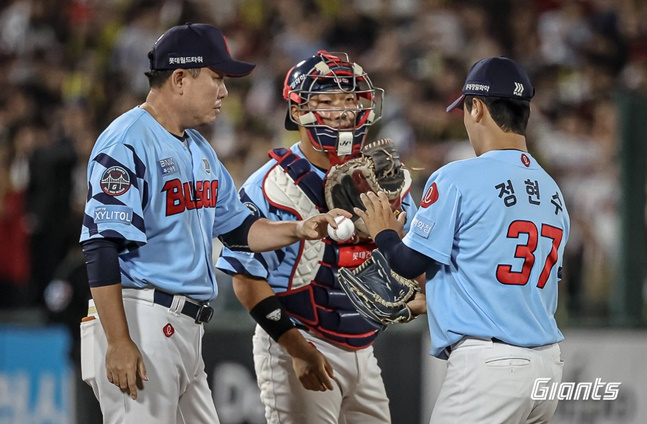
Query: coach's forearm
column 110, row 307
column 265, row 235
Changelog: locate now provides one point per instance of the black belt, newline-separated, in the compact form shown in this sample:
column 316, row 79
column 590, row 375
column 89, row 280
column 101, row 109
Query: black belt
column 448, row 349
column 200, row 313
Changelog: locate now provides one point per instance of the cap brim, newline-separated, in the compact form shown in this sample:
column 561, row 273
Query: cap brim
column 290, row 125
column 233, row 68
column 458, row 103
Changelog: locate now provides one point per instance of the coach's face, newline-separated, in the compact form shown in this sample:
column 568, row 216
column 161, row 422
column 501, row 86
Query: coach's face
column 202, row 97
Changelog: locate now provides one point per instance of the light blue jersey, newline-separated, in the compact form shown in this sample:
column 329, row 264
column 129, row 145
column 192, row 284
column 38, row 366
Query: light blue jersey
column 497, row 225
column 166, row 199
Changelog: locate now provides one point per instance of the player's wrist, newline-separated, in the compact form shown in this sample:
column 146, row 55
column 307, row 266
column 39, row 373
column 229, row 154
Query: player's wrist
column 293, row 342
column 298, row 232
column 270, row 314
column 386, row 238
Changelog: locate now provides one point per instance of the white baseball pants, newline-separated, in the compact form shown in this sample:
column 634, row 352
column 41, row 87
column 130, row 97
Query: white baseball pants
column 489, row 382
column 176, row 391
column 359, row 396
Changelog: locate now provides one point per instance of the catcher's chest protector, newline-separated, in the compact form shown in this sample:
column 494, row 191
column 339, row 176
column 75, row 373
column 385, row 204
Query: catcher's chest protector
column 314, row 296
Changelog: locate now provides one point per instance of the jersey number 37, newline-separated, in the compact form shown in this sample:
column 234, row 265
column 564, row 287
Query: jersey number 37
column 526, row 251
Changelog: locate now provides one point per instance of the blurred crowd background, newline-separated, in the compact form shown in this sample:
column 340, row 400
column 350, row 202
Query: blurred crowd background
column 69, row 67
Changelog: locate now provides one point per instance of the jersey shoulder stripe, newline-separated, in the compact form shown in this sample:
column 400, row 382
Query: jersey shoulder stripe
column 140, row 166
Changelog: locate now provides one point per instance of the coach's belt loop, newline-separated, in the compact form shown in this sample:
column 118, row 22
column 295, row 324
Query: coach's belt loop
column 177, row 304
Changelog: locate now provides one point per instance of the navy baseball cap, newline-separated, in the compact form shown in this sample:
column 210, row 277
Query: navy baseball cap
column 197, row 46
column 496, row 77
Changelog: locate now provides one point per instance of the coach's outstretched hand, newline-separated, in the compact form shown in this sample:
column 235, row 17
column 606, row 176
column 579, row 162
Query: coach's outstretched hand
column 316, row 227
column 266, row 235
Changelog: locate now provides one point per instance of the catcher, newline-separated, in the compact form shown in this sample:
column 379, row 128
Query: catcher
column 313, row 351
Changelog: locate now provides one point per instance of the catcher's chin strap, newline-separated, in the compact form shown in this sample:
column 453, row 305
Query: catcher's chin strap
column 340, row 145
column 343, row 151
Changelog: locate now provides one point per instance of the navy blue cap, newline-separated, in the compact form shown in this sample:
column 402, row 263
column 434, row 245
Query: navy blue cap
column 196, row 46
column 496, row 77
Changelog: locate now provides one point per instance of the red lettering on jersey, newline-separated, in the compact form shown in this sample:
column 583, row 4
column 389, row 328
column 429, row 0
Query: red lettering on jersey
column 198, row 195
column 188, row 197
column 174, row 197
column 214, row 193
column 181, row 197
column 207, row 201
column 430, row 196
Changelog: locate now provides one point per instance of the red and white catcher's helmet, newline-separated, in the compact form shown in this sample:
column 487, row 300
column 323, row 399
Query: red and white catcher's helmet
column 325, row 72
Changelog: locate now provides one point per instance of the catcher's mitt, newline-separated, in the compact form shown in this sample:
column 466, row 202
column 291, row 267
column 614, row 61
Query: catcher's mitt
column 378, row 293
column 379, row 168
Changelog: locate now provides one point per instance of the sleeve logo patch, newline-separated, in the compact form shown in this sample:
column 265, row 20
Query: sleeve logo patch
column 167, row 166
column 422, row 227
column 275, row 315
column 113, row 213
column 430, row 197
column 115, row 181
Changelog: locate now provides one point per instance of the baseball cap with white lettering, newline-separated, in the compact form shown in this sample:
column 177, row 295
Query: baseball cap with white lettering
column 196, row 46
column 496, row 77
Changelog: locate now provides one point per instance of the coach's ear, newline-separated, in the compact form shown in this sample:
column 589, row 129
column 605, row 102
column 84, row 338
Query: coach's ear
column 177, row 79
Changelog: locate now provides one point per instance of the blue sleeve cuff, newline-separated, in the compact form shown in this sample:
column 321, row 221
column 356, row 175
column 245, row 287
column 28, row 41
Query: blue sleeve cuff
column 402, row 259
column 102, row 262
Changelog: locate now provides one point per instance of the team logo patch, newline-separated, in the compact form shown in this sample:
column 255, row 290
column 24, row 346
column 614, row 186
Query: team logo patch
column 167, row 166
column 430, row 197
column 168, row 330
column 525, row 160
column 115, row 181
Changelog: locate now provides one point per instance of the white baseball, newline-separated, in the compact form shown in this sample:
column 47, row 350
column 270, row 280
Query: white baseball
column 344, row 231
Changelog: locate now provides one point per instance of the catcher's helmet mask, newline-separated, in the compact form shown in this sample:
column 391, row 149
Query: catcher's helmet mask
column 332, row 72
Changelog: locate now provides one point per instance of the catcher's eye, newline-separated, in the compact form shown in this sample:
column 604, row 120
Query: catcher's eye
column 336, row 100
